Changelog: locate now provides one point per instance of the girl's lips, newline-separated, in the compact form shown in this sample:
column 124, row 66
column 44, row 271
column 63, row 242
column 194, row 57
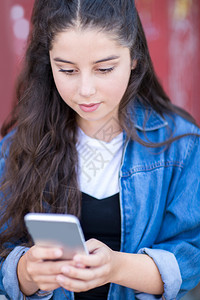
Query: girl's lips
column 89, row 107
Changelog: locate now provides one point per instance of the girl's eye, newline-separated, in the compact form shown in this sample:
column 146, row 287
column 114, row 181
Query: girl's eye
column 105, row 70
column 74, row 71
column 68, row 72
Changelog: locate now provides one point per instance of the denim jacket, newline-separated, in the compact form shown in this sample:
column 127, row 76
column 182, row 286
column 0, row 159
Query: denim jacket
column 160, row 209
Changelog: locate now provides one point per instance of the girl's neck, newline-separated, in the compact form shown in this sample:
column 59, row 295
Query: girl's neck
column 104, row 132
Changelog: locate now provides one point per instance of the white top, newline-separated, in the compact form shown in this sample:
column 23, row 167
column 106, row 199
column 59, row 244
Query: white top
column 99, row 165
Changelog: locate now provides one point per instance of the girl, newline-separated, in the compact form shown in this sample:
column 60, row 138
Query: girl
column 95, row 135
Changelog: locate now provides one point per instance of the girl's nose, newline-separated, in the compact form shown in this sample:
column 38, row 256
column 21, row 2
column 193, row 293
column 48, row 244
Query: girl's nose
column 87, row 86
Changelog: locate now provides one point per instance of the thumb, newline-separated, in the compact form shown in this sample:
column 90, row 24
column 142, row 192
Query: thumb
column 93, row 245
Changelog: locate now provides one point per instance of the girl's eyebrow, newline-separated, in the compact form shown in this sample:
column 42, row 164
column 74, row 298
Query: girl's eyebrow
column 113, row 57
column 106, row 59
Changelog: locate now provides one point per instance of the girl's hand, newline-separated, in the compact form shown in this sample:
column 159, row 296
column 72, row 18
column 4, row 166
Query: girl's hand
column 99, row 268
column 38, row 269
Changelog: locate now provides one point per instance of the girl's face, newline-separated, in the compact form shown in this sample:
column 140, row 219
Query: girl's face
column 91, row 72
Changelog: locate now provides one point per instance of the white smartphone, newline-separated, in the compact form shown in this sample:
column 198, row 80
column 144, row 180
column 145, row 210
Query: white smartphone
column 57, row 230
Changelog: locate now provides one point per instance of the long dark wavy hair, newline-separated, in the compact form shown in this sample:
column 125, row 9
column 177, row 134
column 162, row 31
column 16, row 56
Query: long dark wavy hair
column 41, row 168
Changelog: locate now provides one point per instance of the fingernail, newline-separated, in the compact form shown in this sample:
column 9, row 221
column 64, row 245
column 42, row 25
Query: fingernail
column 79, row 265
column 58, row 253
column 77, row 259
column 65, row 270
column 60, row 278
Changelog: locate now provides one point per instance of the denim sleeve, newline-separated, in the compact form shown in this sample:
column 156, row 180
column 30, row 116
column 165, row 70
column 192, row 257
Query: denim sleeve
column 169, row 270
column 10, row 280
column 176, row 251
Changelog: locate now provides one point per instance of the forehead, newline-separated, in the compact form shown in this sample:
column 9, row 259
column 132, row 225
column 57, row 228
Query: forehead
column 93, row 42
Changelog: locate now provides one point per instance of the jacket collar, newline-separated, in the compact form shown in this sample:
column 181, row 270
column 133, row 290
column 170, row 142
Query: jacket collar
column 144, row 117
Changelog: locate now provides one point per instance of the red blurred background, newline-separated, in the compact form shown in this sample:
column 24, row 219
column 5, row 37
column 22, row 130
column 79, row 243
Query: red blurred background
column 172, row 28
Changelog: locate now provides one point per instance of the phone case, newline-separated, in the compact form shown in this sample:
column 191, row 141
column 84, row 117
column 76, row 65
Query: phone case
column 57, row 230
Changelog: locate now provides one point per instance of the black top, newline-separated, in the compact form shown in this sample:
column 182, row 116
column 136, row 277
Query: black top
column 100, row 219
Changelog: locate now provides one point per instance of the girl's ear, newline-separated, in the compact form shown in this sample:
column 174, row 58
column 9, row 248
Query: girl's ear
column 134, row 64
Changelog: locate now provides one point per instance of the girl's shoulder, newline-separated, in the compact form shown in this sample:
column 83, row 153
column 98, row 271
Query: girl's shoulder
column 180, row 125
column 146, row 119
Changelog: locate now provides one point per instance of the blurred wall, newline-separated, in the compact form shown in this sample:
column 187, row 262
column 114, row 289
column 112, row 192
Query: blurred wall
column 14, row 29
column 172, row 28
